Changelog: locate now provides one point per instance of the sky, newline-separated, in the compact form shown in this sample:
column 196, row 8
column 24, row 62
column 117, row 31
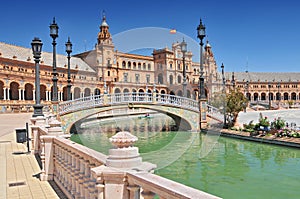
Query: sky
column 256, row 35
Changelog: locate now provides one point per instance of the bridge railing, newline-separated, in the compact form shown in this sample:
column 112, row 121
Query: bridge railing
column 215, row 113
column 123, row 98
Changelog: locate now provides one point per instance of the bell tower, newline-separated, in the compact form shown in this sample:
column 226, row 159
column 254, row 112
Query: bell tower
column 106, row 59
column 104, row 35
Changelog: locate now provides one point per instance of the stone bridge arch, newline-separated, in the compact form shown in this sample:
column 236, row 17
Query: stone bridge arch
column 184, row 119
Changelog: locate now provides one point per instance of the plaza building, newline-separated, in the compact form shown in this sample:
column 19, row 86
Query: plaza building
column 275, row 89
column 104, row 69
column 101, row 70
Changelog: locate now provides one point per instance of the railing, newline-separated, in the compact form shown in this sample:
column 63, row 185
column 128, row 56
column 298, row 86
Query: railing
column 127, row 98
column 215, row 113
column 152, row 185
column 72, row 168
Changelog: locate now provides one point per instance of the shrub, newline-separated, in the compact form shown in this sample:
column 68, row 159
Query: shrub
column 278, row 123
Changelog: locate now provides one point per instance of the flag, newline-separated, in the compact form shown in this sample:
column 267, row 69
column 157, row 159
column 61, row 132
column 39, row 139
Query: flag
column 173, row 31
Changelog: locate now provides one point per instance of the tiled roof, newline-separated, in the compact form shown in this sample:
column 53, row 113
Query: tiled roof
column 22, row 54
column 264, row 76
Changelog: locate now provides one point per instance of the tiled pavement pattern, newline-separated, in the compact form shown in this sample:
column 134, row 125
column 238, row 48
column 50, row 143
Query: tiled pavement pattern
column 17, row 167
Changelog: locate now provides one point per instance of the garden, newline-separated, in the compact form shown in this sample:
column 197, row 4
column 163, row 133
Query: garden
column 278, row 127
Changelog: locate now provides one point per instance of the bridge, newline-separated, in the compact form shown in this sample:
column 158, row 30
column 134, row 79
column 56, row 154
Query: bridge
column 184, row 111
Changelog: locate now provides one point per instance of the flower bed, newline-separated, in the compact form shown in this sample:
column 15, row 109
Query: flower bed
column 278, row 127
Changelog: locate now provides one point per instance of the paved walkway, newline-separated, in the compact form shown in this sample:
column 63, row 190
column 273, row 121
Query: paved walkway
column 19, row 170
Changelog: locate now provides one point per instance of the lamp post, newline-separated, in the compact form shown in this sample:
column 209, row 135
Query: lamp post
column 201, row 95
column 69, row 50
column 54, row 35
column 183, row 50
column 201, row 35
column 279, row 95
column 224, row 92
column 269, row 86
column 36, row 45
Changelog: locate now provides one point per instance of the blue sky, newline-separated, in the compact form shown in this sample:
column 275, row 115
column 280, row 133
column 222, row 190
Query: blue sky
column 256, row 35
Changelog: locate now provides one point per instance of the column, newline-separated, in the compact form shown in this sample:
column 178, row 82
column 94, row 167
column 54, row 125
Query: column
column 61, row 96
column 4, row 93
column 58, row 96
column 47, row 96
column 33, row 91
column 23, row 94
column 20, row 94
column 50, row 94
column 72, row 96
column 8, row 93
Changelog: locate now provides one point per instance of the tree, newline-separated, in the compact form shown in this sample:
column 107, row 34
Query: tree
column 235, row 102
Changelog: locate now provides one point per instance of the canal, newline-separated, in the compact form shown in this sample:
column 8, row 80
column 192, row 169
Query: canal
column 226, row 167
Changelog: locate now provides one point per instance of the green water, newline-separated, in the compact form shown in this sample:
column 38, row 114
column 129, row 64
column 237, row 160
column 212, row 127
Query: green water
column 225, row 167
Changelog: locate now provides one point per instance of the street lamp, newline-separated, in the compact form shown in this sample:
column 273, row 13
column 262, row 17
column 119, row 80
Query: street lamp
column 184, row 50
column 201, row 35
column 54, row 35
column 69, row 50
column 36, row 45
column 201, row 95
column 224, row 92
column 269, row 85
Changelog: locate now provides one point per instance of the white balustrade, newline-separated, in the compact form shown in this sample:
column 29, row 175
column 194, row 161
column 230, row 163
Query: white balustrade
column 70, row 165
column 124, row 98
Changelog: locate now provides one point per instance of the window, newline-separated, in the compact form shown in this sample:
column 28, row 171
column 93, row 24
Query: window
column 171, row 79
column 179, row 79
column 171, row 66
column 148, row 78
column 139, row 66
column 178, row 66
column 108, row 73
column 149, row 66
column 123, row 64
column 125, row 77
column 137, row 78
column 134, row 65
column 144, row 66
column 129, row 64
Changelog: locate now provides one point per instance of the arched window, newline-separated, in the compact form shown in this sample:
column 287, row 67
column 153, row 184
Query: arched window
column 179, row 79
column 139, row 66
column 255, row 96
column 14, row 91
column 97, row 91
column 144, row 66
column 76, row 93
column 123, row 64
column 160, row 78
column 28, row 92
column 293, row 95
column 171, row 79
column 149, row 66
column 263, row 96
column 134, row 65
column 1, row 90
column 87, row 92
column 129, row 64
column 43, row 92
column 117, row 90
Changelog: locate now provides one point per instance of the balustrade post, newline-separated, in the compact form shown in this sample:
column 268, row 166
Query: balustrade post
column 86, row 179
column 73, row 174
column 147, row 194
column 47, row 157
column 81, row 178
column 134, row 191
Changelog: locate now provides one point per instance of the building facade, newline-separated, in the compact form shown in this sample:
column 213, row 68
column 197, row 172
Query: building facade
column 106, row 70
column 100, row 70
